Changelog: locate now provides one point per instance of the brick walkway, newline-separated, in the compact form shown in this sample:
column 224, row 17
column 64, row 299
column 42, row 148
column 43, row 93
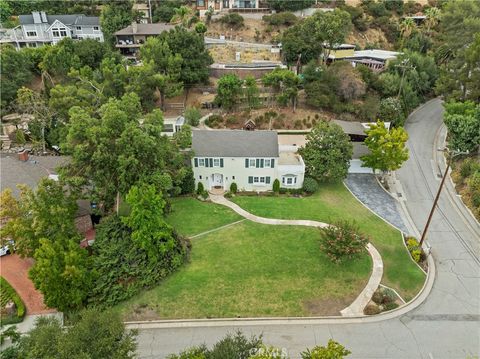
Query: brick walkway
column 15, row 270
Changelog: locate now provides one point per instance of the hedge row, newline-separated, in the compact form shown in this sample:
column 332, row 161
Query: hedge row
column 7, row 293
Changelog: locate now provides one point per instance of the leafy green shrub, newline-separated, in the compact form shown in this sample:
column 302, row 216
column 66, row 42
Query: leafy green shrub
column 343, row 240
column 310, row 185
column 233, row 187
column 214, row 121
column 200, row 188
column 416, row 255
column 371, row 309
column 20, row 137
column 333, row 350
column 7, row 293
column 377, row 297
column 468, row 167
column 280, row 19
column 123, row 267
column 188, row 182
column 233, row 20
column 276, row 186
column 204, row 194
column 412, row 244
column 389, row 296
column 227, row 194
column 192, row 116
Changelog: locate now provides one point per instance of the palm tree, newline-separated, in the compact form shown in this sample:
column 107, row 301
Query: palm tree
column 432, row 14
column 406, row 28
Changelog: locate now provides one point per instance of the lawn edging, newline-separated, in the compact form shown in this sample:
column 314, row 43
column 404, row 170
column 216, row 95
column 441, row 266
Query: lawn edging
column 11, row 294
column 237, row 322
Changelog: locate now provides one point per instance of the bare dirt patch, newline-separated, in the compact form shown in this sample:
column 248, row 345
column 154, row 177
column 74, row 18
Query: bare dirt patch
column 324, row 307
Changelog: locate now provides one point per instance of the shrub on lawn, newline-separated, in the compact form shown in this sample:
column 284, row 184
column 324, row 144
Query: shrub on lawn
column 276, row 186
column 200, row 188
column 204, row 194
column 310, row 185
column 7, row 294
column 342, row 241
column 412, row 244
column 416, row 255
column 233, row 188
column 188, row 182
column 390, row 306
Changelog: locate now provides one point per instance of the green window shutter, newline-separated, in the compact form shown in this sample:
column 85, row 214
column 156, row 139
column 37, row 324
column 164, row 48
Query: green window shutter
column 267, row 180
column 258, row 163
column 261, row 163
column 246, row 162
column 206, row 162
column 196, row 162
column 250, row 179
column 272, row 162
column 211, row 162
column 221, row 162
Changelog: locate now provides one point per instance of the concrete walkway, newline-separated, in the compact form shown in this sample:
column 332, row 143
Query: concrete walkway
column 354, row 309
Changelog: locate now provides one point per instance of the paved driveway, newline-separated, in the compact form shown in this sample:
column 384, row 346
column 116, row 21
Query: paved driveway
column 366, row 188
column 15, row 270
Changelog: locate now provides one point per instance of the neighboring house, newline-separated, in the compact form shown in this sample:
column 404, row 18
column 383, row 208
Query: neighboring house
column 131, row 38
column 376, row 60
column 340, row 51
column 251, row 159
column 172, row 125
column 230, row 4
column 39, row 29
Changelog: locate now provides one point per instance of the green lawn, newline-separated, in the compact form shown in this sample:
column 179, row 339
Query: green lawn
column 251, row 269
column 333, row 202
column 190, row 216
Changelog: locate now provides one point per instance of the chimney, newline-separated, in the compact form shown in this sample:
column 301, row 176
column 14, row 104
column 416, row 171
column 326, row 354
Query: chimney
column 134, row 27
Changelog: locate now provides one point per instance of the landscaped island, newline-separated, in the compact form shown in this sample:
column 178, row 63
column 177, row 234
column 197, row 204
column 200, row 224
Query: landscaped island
column 253, row 270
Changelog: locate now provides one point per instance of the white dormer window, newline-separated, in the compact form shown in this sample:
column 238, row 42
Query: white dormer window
column 201, row 162
column 96, row 28
column 79, row 28
column 31, row 34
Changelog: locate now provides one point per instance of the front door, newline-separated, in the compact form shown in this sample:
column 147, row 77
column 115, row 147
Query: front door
column 217, row 180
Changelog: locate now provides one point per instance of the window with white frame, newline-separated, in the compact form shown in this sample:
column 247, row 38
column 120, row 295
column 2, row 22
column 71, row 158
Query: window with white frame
column 216, row 162
column 79, row 28
column 63, row 32
column 267, row 163
column 31, row 34
column 96, row 28
column 256, row 180
column 262, row 179
column 289, row 180
column 251, row 162
column 201, row 162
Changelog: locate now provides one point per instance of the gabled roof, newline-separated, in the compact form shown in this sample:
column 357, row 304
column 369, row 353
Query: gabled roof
column 234, row 143
column 145, row 29
column 70, row 20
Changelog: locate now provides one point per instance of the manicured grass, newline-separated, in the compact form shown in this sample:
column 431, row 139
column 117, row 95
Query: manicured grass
column 190, row 216
column 251, row 269
column 335, row 202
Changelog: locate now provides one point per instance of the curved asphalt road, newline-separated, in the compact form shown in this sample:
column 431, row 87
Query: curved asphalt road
column 446, row 325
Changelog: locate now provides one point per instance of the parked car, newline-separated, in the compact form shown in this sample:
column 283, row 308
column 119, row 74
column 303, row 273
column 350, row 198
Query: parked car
column 7, row 248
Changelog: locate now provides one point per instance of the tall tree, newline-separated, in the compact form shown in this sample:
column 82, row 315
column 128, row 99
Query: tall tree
column 45, row 213
column 166, row 64
column 407, row 26
column 191, row 48
column 387, row 147
column 285, row 85
column 15, row 70
column 251, row 92
column 120, row 148
column 463, row 124
column 327, row 153
column 229, row 89
column 114, row 17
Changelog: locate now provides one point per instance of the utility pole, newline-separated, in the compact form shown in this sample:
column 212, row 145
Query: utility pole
column 449, row 161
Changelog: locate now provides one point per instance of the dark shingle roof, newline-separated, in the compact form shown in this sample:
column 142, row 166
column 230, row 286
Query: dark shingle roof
column 76, row 19
column 234, row 143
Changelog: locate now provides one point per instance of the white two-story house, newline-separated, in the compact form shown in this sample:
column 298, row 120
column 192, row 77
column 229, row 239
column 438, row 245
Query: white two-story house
column 251, row 159
column 39, row 29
